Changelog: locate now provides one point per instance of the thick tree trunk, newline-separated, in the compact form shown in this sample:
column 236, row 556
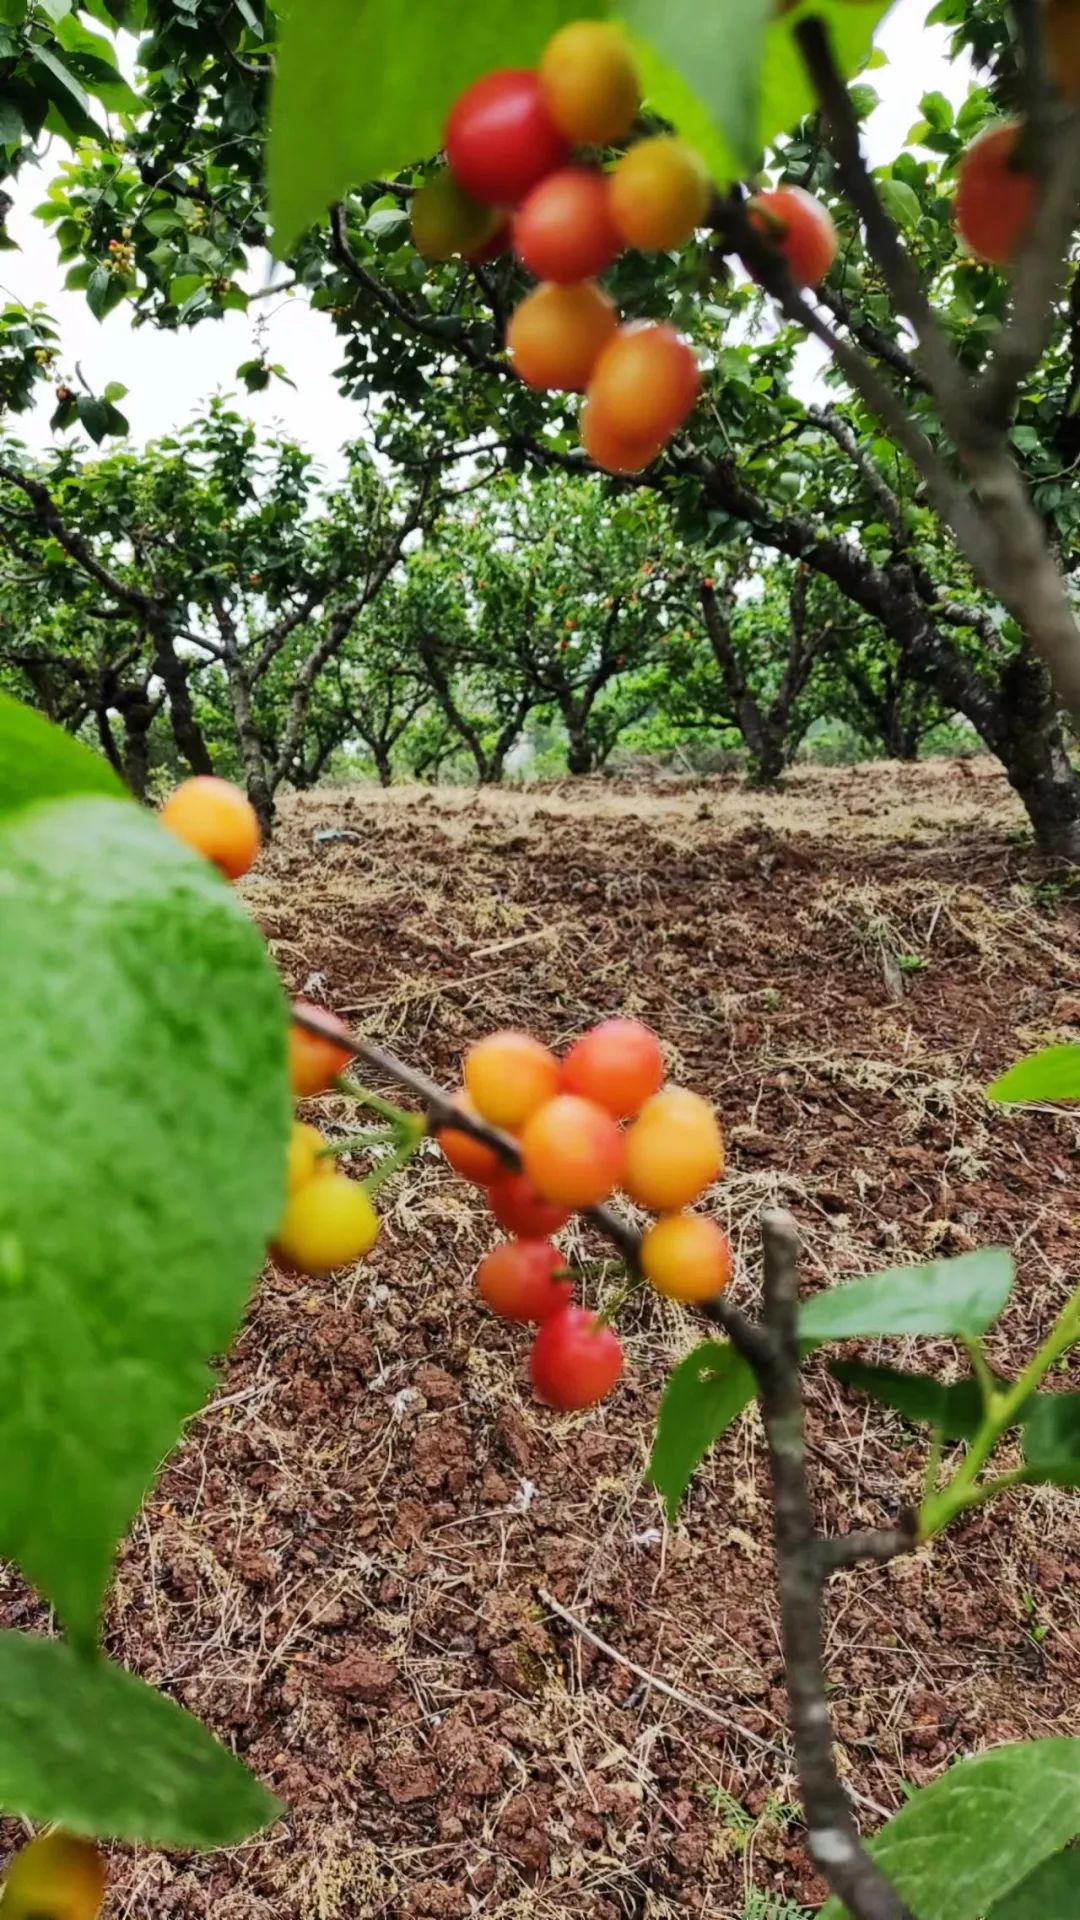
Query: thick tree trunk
column 1035, row 755
column 768, row 756
column 383, row 766
column 138, row 719
column 185, row 728
column 256, row 778
column 580, row 757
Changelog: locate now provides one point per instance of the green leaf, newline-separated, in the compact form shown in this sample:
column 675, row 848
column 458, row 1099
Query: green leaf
column 936, row 111
column 722, row 70
column 142, row 1139
column 980, row 1830
column 901, row 201
column 40, row 762
column 1052, row 1440
column 97, row 291
column 1052, row 1892
column 92, row 1747
column 328, row 53
column 960, row 1296
column 66, row 94
column 956, row 1411
column 1051, row 1074
column 94, row 416
column 671, row 96
column 114, row 391
column 786, row 93
column 706, row 1392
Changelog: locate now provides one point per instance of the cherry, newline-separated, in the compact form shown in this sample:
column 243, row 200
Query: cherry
column 316, row 1058
column 673, row 1150
column 444, row 221
column 644, row 383
column 590, row 83
column 618, row 1064
column 57, row 1877
column 564, row 231
column 327, row 1224
column 215, row 819
column 573, row 1151
column 995, row 197
column 687, row 1257
column 575, row 1359
column 302, row 1162
column 523, row 1280
column 519, row 1208
column 471, row 1158
column 607, row 449
column 508, row 1076
column 800, row 228
column 500, row 138
column 659, row 193
column 556, row 335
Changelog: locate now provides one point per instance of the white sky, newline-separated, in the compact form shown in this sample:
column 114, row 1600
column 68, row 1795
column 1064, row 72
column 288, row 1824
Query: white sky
column 169, row 375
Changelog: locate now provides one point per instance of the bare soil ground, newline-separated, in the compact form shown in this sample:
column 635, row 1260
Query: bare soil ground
column 342, row 1567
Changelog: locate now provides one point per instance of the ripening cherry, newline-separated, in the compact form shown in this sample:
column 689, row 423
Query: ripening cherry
column 687, row 1257
column 328, row 1224
column 471, row 1158
column 995, row 195
column 519, row 1208
column 563, row 231
column 56, row 1877
column 500, row 138
column 556, row 335
column 590, row 83
column 618, row 1064
column 800, row 229
column 575, row 1359
column 524, row 1280
column 444, row 221
column 316, row 1058
column 508, row 1076
column 660, row 193
column 608, row 449
column 645, row 382
column 573, row 1151
column 215, row 819
column 674, row 1150
column 303, row 1162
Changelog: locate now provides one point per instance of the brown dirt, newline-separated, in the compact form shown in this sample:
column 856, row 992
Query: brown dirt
column 340, row 1569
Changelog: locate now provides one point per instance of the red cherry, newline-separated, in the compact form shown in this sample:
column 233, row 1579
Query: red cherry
column 500, row 138
column 575, row 1360
column 519, row 1208
column 618, row 1064
column 995, row 196
column 518, row 1280
column 564, row 230
column 800, row 228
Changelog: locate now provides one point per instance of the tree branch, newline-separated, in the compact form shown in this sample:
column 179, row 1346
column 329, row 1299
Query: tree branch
column 832, row 1837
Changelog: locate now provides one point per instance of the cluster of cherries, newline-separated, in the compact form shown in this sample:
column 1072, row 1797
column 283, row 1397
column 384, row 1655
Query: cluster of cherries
column 566, row 1118
column 516, row 177
column 580, row 1127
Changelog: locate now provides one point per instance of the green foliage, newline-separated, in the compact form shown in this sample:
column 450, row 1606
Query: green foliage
column 961, row 1297
column 705, row 1393
column 1051, row 1074
column 980, row 1830
column 133, row 983
column 1052, row 1892
column 329, row 51
column 37, row 762
column 954, row 1411
column 1052, row 1439
column 86, row 1745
